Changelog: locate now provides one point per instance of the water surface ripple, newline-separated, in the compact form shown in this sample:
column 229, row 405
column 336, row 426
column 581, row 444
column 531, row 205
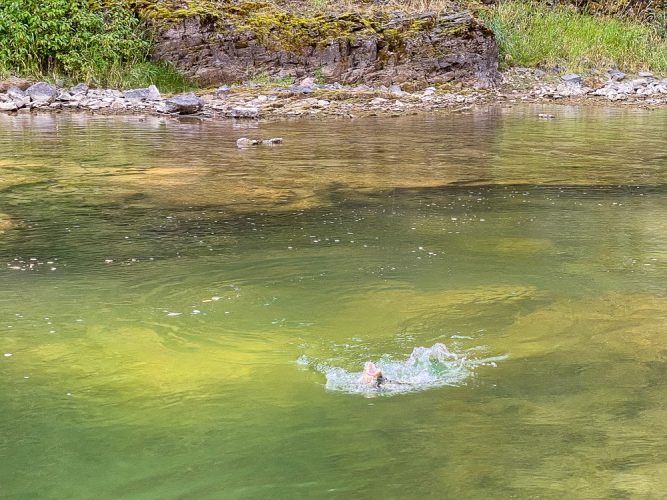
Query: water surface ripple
column 171, row 306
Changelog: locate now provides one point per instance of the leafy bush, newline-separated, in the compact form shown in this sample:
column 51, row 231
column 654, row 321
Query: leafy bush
column 70, row 37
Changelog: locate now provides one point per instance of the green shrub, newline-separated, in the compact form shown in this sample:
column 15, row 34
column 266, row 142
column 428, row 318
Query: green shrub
column 533, row 34
column 69, row 37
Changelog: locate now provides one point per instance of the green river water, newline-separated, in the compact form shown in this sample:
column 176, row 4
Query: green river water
column 169, row 305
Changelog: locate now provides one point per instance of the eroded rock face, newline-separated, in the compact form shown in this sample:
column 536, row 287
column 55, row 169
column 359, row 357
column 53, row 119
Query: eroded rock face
column 431, row 48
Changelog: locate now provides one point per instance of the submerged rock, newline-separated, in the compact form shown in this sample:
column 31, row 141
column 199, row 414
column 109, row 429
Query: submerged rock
column 244, row 142
column 5, row 223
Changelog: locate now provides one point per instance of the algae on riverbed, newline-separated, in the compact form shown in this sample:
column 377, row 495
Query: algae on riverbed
column 151, row 346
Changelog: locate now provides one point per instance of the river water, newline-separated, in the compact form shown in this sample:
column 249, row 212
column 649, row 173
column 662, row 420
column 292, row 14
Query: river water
column 171, row 306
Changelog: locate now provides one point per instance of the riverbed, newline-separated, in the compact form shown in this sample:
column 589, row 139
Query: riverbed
column 171, row 304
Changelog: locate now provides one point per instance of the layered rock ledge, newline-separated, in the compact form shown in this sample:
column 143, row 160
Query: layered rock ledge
column 225, row 47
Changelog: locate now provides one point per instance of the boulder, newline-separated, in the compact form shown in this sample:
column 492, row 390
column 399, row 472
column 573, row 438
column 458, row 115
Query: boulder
column 184, row 104
column 245, row 112
column 307, row 82
column 396, row 90
column 223, row 90
column 153, row 93
column 136, row 94
column 150, row 93
column 572, row 78
column 616, row 75
column 65, row 96
column 79, row 89
column 42, row 93
column 13, row 81
column 8, row 106
column 16, row 94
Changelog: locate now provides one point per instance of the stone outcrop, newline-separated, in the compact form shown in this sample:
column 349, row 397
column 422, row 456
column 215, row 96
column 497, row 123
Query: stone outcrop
column 423, row 49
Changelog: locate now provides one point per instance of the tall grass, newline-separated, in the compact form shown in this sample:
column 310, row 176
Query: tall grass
column 142, row 74
column 533, row 34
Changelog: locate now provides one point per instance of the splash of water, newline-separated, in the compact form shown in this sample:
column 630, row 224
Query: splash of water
column 425, row 368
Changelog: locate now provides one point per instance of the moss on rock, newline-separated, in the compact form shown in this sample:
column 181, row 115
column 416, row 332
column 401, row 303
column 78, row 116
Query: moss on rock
column 277, row 28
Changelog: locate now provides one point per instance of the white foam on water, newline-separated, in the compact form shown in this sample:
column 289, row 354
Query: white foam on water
column 425, row 368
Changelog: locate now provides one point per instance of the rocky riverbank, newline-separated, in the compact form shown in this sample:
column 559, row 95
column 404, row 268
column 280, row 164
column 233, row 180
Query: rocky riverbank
column 308, row 98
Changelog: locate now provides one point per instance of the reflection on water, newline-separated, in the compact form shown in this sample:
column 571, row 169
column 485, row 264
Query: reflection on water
column 158, row 285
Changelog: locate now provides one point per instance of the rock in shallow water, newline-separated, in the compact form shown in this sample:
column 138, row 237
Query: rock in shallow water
column 244, row 142
column 8, row 106
column 185, row 104
column 245, row 112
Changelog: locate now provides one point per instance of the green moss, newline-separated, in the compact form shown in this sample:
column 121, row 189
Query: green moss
column 280, row 29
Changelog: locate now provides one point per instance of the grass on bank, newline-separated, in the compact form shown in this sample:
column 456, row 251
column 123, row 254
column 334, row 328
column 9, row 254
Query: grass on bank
column 533, row 34
column 79, row 41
